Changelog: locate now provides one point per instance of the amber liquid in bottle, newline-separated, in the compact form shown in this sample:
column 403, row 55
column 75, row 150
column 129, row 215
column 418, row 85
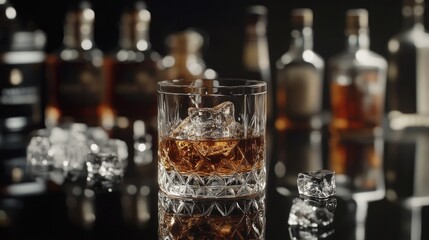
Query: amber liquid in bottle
column 358, row 78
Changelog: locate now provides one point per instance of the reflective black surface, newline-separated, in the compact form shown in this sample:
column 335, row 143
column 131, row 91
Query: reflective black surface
column 382, row 184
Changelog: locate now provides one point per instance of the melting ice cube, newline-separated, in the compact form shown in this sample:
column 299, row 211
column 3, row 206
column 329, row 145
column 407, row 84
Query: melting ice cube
column 209, row 123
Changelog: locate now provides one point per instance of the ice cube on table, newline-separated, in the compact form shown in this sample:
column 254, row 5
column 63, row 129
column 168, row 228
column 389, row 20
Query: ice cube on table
column 39, row 156
column 209, row 123
column 318, row 184
column 105, row 165
column 306, row 215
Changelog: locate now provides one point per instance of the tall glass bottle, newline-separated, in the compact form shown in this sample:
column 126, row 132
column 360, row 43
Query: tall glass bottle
column 22, row 71
column 256, row 61
column 133, row 69
column 358, row 78
column 184, row 60
column 299, row 78
column 408, row 75
column 77, row 82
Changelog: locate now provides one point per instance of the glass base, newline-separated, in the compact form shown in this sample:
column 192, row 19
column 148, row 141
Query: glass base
column 181, row 218
column 214, row 186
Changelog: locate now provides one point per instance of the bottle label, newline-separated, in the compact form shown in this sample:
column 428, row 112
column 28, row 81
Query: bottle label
column 20, row 91
column 301, row 90
column 80, row 85
column 422, row 81
column 134, row 87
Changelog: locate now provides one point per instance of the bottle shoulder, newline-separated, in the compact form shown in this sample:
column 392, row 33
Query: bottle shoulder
column 364, row 58
column 134, row 55
column 296, row 57
column 77, row 54
column 415, row 38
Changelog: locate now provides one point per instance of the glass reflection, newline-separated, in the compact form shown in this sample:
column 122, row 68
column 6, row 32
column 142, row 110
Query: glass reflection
column 407, row 178
column 242, row 218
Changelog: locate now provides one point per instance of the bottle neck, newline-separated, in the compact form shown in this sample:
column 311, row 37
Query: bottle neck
column 135, row 37
column 255, row 52
column 302, row 39
column 413, row 18
column 357, row 40
column 79, row 36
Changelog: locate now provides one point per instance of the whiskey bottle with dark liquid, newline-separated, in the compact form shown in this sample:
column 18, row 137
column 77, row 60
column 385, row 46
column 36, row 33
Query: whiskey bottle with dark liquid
column 133, row 69
column 408, row 73
column 22, row 69
column 357, row 81
column 77, row 82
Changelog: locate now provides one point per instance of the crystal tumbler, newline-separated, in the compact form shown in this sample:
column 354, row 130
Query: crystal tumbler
column 211, row 137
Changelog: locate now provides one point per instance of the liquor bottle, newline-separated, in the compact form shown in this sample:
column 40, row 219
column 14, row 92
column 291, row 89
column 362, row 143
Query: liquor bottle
column 133, row 69
column 358, row 78
column 22, row 69
column 408, row 74
column 256, row 62
column 184, row 60
column 77, row 81
column 299, row 78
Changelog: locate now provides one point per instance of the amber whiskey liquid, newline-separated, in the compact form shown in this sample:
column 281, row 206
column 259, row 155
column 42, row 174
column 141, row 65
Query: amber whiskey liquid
column 357, row 105
column 79, row 90
column 213, row 168
column 205, row 157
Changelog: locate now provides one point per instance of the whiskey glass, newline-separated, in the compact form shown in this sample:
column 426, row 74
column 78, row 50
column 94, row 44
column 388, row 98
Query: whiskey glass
column 211, row 137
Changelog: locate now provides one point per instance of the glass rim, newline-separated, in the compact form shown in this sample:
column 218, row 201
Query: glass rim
column 217, row 86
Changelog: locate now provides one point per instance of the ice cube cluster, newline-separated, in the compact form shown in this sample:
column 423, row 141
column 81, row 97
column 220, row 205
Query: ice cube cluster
column 312, row 213
column 75, row 152
column 209, row 123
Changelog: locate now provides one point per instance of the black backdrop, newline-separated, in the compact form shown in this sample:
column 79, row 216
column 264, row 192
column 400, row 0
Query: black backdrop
column 222, row 21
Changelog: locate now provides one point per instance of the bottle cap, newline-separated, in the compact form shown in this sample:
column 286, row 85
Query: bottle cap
column 413, row 7
column 257, row 10
column 256, row 20
column 302, row 17
column 135, row 26
column 356, row 19
column 413, row 2
column 188, row 41
column 78, row 23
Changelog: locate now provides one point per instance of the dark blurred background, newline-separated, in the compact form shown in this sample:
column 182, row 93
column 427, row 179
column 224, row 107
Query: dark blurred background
column 222, row 21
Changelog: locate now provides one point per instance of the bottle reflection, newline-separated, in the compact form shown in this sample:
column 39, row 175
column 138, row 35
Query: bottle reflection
column 299, row 151
column 357, row 163
column 242, row 218
column 136, row 205
column 407, row 179
column 81, row 206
